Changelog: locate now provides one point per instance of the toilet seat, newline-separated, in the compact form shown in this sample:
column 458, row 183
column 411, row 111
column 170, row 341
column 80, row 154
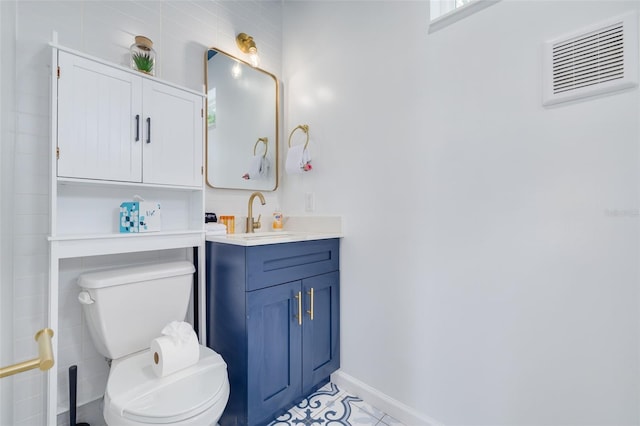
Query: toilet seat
column 135, row 395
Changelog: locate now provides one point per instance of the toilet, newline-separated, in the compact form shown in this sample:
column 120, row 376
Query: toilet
column 125, row 310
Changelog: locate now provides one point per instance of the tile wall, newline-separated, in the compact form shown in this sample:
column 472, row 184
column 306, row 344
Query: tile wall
column 181, row 30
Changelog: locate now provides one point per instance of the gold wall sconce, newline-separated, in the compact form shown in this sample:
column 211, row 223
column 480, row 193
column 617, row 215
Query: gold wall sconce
column 247, row 45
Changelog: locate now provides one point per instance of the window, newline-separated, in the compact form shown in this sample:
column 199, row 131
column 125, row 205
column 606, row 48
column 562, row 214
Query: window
column 442, row 7
column 445, row 12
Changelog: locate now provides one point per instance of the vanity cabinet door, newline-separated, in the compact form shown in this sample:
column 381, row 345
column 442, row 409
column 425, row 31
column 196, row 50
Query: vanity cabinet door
column 172, row 136
column 320, row 338
column 274, row 340
column 99, row 111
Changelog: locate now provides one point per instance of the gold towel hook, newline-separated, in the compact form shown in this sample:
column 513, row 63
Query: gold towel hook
column 304, row 128
column 266, row 146
column 44, row 360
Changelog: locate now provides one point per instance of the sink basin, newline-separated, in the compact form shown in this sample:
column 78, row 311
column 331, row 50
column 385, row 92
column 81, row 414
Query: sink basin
column 260, row 236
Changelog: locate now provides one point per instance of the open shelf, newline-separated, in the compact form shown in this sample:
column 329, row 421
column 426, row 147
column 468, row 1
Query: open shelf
column 99, row 244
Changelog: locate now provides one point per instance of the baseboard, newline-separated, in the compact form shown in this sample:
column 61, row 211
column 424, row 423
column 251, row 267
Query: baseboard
column 383, row 402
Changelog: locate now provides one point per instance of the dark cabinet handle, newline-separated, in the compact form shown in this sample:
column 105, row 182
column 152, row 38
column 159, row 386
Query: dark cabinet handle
column 137, row 127
column 148, row 129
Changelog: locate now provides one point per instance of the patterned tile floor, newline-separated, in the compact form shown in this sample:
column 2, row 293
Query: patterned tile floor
column 330, row 406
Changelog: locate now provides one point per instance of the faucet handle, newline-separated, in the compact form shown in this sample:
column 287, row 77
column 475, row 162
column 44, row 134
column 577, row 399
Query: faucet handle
column 256, row 223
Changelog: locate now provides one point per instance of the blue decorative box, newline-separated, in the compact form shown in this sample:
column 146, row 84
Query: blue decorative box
column 140, row 216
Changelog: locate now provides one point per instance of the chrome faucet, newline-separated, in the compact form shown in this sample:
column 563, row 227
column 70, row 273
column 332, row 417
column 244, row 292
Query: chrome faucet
column 251, row 225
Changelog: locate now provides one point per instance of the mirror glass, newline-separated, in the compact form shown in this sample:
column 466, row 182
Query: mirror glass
column 242, row 124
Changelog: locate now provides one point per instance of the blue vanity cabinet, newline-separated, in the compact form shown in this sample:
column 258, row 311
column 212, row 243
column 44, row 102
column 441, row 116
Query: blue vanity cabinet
column 260, row 301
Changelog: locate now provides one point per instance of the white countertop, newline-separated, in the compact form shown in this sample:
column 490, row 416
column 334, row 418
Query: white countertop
column 263, row 238
column 303, row 228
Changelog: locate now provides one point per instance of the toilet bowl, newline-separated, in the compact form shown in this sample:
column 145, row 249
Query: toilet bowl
column 126, row 309
column 196, row 395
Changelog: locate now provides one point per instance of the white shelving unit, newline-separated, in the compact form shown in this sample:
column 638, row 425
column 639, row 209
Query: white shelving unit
column 106, row 117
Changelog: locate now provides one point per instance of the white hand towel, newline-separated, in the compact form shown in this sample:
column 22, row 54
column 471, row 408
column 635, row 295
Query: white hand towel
column 258, row 169
column 213, row 228
column 297, row 158
column 255, row 167
column 264, row 167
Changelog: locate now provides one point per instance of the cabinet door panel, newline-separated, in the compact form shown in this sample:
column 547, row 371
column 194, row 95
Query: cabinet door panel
column 274, row 372
column 321, row 340
column 97, row 108
column 172, row 136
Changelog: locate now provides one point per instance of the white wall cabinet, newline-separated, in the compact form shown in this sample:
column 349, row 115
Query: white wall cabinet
column 120, row 126
column 116, row 133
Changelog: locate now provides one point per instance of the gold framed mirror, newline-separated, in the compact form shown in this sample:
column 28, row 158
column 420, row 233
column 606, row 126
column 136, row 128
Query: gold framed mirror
column 242, row 128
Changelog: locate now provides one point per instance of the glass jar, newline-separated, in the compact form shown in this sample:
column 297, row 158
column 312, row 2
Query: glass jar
column 143, row 57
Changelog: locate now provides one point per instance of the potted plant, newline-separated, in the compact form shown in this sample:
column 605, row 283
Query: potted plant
column 143, row 57
column 143, row 62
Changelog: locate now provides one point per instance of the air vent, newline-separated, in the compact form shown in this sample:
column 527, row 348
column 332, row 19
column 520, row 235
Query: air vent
column 601, row 59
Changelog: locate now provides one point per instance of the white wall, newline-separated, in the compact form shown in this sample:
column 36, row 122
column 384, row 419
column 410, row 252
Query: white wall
column 181, row 31
column 487, row 275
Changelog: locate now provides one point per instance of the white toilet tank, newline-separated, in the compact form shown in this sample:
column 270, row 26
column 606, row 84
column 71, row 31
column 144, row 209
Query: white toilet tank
column 127, row 308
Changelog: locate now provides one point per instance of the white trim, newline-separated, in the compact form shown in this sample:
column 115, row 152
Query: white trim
column 51, row 394
column 458, row 14
column 83, row 245
column 381, row 401
column 54, row 44
column 101, row 182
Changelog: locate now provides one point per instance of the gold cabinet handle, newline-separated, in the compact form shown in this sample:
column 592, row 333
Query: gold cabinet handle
column 310, row 312
column 299, row 297
column 44, row 360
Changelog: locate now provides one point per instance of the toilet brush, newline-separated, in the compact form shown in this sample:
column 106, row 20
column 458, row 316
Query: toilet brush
column 73, row 385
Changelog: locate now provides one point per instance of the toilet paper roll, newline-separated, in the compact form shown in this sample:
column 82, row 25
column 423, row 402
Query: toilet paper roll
column 169, row 356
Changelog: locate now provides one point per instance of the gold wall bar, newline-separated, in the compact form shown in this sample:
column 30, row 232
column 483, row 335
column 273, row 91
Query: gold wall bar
column 45, row 351
column 45, row 356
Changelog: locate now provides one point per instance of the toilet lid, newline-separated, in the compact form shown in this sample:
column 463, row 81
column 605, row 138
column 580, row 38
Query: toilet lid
column 135, row 392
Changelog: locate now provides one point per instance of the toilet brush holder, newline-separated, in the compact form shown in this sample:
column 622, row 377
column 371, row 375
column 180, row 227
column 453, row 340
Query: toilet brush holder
column 73, row 387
